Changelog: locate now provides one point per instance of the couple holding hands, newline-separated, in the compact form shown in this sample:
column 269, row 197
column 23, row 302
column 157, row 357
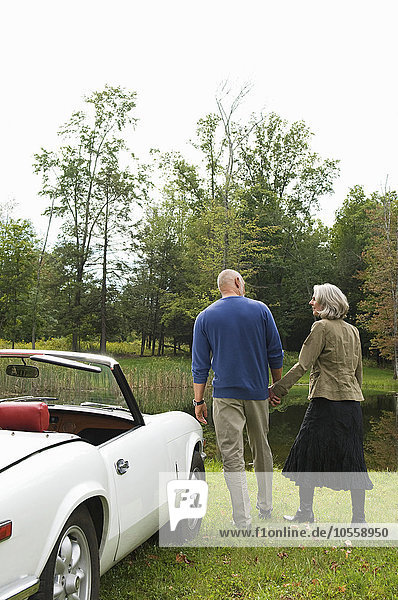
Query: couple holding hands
column 237, row 338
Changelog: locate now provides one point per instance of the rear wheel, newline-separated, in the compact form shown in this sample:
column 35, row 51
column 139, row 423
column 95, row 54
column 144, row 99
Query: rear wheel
column 72, row 571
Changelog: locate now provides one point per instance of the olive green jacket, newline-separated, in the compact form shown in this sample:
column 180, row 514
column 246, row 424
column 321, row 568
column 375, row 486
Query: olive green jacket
column 333, row 351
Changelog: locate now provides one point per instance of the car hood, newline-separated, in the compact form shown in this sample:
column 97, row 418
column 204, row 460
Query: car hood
column 16, row 445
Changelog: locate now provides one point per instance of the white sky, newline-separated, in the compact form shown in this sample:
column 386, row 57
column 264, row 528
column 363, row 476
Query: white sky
column 331, row 63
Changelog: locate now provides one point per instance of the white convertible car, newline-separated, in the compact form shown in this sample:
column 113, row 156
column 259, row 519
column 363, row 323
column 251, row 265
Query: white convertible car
column 79, row 472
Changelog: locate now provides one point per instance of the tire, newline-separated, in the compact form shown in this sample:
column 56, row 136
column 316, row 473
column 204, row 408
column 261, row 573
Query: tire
column 188, row 529
column 72, row 571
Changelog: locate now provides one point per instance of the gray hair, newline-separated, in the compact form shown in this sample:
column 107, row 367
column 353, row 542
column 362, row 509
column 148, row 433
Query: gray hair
column 227, row 277
column 334, row 302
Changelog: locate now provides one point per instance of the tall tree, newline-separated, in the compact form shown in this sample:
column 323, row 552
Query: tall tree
column 73, row 176
column 251, row 208
column 157, row 275
column 350, row 235
column 380, row 278
column 230, row 142
column 39, row 273
column 219, row 137
column 282, row 180
column 18, row 267
column 117, row 189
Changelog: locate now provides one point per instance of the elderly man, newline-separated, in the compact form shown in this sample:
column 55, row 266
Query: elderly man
column 237, row 337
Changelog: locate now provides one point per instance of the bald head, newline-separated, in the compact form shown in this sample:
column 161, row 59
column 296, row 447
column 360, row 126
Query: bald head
column 230, row 283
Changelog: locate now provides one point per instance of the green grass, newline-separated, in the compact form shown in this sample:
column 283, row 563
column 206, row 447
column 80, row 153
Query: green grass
column 153, row 573
column 259, row 573
column 330, row 506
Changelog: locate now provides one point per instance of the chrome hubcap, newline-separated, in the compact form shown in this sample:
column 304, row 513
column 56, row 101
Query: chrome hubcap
column 72, row 574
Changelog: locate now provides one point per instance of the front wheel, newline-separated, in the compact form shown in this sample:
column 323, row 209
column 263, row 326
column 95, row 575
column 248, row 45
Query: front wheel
column 72, row 571
column 188, row 529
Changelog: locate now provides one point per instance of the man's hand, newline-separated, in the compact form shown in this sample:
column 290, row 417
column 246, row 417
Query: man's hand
column 201, row 410
column 273, row 399
column 201, row 413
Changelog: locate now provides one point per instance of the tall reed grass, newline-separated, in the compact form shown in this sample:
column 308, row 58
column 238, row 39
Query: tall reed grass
column 160, row 384
column 165, row 383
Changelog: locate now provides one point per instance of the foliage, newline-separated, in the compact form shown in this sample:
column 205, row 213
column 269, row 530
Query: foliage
column 85, row 184
column 248, row 205
column 380, row 279
column 18, row 260
column 350, row 236
column 381, row 443
column 282, row 181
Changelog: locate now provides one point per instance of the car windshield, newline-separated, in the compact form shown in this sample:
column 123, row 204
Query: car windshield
column 25, row 378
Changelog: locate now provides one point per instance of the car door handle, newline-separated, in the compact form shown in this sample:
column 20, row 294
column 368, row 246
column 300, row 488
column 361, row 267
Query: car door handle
column 121, row 466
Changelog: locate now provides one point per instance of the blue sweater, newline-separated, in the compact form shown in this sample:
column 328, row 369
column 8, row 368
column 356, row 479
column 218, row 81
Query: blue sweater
column 236, row 337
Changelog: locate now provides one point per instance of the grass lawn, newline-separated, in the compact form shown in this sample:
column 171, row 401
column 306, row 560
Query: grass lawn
column 262, row 573
column 153, row 573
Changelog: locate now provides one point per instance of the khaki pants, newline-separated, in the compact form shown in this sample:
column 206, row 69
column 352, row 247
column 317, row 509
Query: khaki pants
column 230, row 417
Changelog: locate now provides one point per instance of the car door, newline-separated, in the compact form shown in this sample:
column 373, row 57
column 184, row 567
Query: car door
column 134, row 461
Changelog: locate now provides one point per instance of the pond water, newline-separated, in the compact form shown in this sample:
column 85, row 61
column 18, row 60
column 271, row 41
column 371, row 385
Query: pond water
column 285, row 424
column 380, row 410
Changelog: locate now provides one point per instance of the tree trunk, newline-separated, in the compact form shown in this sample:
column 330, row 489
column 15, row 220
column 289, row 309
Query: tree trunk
column 104, row 282
column 14, row 321
column 77, row 310
column 155, row 323
column 75, row 341
column 34, row 332
column 161, row 341
column 37, row 292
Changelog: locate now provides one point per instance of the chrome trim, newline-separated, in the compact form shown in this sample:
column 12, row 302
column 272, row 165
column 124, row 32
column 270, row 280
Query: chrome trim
column 94, row 358
column 21, row 590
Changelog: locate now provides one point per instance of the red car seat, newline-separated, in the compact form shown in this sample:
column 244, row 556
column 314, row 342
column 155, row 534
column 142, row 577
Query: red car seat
column 24, row 416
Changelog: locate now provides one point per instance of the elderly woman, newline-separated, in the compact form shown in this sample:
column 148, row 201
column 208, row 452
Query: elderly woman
column 328, row 450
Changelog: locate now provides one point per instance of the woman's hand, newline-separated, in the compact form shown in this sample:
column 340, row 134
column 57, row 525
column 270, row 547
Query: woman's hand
column 273, row 399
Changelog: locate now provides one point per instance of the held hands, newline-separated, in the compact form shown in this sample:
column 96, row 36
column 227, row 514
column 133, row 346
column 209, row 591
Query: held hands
column 273, row 399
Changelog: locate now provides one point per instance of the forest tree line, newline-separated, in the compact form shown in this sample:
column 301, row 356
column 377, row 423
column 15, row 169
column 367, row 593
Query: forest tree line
column 140, row 245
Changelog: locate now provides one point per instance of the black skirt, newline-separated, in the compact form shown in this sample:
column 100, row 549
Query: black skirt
column 328, row 449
